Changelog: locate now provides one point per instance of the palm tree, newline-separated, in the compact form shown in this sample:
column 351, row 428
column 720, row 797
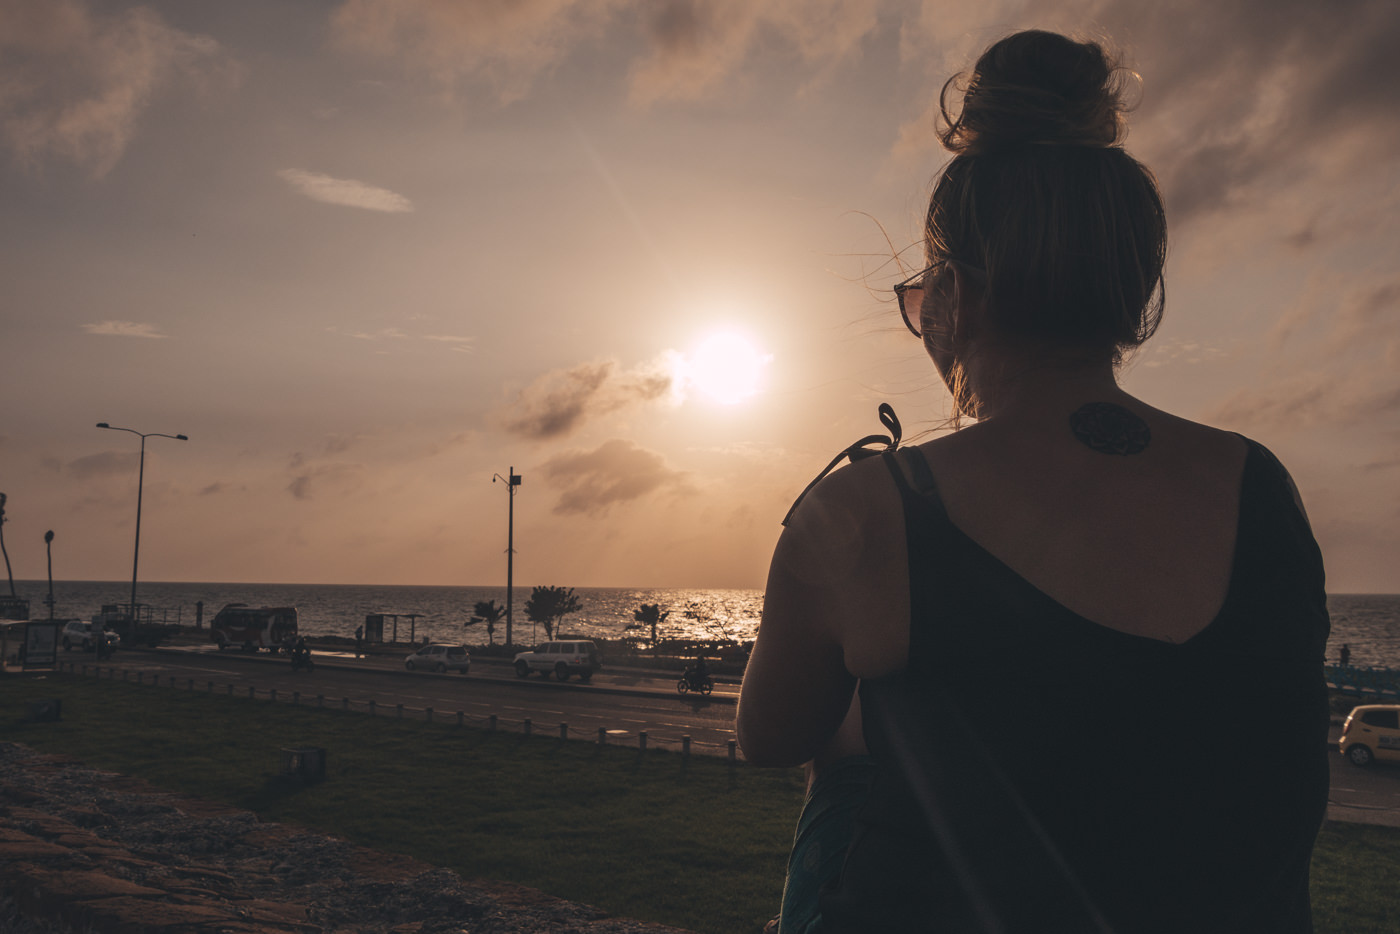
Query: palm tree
column 649, row 614
column 549, row 604
column 488, row 611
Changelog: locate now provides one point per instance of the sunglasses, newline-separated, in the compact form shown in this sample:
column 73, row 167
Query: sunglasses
column 910, row 295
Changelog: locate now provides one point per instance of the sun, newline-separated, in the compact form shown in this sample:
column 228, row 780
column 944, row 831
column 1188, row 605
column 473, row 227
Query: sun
column 726, row 368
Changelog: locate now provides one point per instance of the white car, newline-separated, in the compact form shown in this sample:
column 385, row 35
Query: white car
column 563, row 658
column 77, row 633
column 440, row 656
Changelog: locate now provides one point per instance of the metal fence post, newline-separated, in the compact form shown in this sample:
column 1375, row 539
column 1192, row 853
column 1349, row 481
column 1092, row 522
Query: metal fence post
column 642, row 739
column 563, row 731
column 491, row 721
column 602, row 736
column 733, row 752
column 685, row 745
column 527, row 726
column 459, row 718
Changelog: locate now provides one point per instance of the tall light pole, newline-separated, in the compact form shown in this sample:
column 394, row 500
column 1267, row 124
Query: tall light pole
column 140, row 480
column 48, row 549
column 511, row 481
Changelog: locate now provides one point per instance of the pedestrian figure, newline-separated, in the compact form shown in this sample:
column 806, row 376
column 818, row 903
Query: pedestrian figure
column 1346, row 655
column 359, row 640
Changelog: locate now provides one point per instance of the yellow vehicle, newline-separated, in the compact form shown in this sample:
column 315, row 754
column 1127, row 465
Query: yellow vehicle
column 1372, row 734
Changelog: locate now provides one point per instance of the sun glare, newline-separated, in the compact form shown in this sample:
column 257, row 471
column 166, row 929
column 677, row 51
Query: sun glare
column 726, row 367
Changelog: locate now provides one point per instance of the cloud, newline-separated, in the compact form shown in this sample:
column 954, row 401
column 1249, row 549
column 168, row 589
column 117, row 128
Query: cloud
column 104, row 464
column 504, row 44
column 125, row 329
column 617, row 472
column 696, row 45
column 454, row 342
column 560, row 401
column 216, row 487
column 345, row 191
column 73, row 82
column 689, row 47
column 1310, row 399
column 342, row 478
column 339, row 444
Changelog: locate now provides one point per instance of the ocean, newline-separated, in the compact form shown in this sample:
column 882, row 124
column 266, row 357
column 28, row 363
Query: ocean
column 336, row 609
column 1368, row 623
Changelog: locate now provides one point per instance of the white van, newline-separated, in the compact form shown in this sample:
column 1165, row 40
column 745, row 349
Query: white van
column 564, row 658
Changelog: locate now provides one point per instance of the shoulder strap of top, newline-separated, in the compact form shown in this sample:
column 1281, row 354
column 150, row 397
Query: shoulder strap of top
column 865, row 447
column 913, row 477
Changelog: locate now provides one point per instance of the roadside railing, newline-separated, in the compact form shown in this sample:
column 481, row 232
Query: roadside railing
column 457, row 719
column 1364, row 682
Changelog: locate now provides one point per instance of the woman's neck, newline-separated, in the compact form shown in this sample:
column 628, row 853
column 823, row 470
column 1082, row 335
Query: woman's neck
column 1037, row 384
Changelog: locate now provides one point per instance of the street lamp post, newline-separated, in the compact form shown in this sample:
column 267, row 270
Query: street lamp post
column 140, row 481
column 512, row 480
column 48, row 550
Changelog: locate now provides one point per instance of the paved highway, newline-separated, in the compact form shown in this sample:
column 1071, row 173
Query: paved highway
column 623, row 701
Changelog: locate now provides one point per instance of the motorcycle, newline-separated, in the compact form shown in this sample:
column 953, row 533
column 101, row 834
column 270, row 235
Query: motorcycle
column 693, row 680
column 302, row 660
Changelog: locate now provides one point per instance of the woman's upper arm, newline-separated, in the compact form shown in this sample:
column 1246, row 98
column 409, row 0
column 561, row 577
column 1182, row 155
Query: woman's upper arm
column 827, row 600
column 796, row 688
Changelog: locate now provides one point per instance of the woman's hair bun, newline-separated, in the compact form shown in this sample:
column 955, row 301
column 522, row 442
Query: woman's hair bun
column 1036, row 88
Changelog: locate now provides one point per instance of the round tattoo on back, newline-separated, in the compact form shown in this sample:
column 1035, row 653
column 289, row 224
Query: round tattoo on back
column 1110, row 429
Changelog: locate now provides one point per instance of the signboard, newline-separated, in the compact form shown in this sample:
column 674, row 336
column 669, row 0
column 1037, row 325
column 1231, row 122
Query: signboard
column 40, row 645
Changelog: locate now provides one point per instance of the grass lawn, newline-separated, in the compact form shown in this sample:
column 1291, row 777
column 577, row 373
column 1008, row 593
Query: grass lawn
column 695, row 842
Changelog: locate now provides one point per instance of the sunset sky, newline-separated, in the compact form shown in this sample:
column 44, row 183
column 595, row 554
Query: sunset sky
column 368, row 253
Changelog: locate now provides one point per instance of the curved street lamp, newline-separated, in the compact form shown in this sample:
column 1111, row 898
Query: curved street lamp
column 140, row 480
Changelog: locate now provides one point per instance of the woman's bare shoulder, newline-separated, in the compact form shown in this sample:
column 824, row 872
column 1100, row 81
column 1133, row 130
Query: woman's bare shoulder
column 849, row 505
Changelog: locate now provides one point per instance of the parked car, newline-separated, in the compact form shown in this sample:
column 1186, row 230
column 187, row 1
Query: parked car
column 77, row 633
column 563, row 658
column 440, row 656
column 1371, row 734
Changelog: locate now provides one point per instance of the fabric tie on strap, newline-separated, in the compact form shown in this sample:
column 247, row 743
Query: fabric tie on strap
column 868, row 446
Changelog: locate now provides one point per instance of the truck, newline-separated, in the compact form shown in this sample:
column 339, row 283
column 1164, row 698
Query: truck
column 239, row 625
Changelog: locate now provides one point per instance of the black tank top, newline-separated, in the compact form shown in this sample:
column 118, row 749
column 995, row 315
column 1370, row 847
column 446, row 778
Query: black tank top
column 1037, row 772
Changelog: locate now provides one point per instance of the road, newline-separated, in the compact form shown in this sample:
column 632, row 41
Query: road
column 623, row 702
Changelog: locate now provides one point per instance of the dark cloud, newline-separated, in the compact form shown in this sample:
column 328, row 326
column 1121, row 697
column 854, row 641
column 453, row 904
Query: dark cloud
column 693, row 47
column 339, row 478
column 73, row 82
column 616, row 472
column 216, row 487
column 557, row 403
column 1312, row 399
column 104, row 464
column 339, row 444
column 1251, row 99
